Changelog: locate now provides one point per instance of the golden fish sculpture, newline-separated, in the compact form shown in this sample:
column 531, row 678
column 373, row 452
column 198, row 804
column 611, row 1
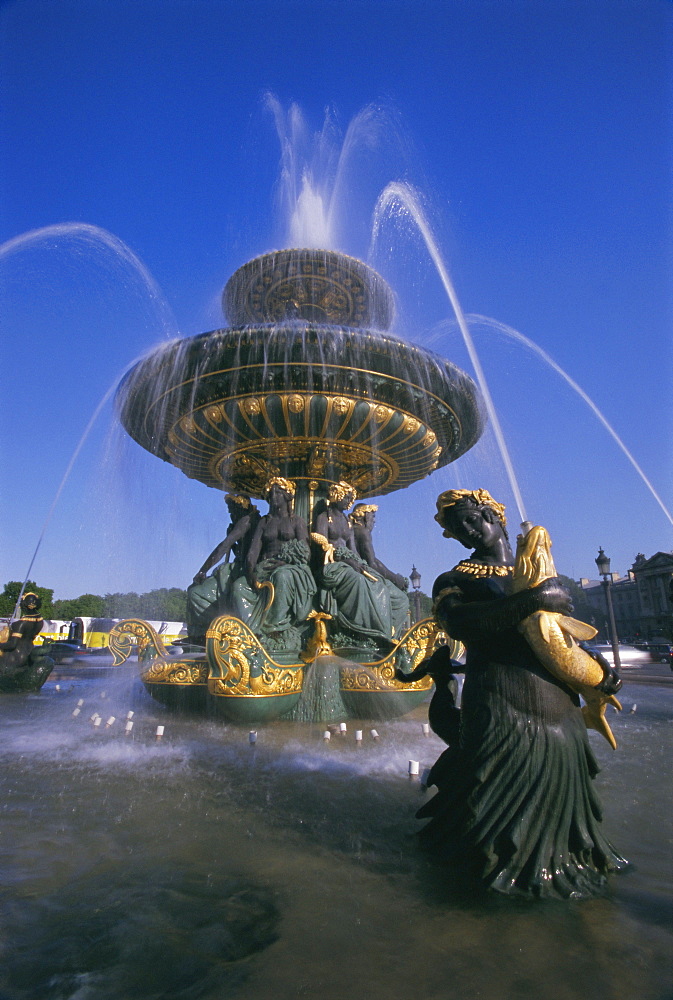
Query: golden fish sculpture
column 553, row 637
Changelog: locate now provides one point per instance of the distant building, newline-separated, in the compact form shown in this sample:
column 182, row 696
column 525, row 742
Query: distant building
column 642, row 601
column 654, row 579
column 625, row 603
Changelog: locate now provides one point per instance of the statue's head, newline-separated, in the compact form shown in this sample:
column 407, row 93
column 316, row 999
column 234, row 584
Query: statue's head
column 363, row 512
column 277, row 484
column 454, row 502
column 342, row 493
column 238, row 504
column 30, row 603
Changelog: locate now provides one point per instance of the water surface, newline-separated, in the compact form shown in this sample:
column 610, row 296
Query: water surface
column 199, row 866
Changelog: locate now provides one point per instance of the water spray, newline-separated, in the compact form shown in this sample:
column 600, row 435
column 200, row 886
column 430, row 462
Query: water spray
column 405, row 194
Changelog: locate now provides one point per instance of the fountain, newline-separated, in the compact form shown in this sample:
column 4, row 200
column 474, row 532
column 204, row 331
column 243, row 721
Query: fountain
column 310, row 392
column 169, row 856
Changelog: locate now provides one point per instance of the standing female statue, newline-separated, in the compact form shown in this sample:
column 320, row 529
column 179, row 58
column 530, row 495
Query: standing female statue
column 515, row 793
column 276, row 593
column 356, row 588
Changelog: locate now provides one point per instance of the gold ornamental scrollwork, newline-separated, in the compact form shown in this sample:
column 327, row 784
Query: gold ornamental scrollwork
column 240, row 667
column 416, row 645
column 180, row 672
column 134, row 632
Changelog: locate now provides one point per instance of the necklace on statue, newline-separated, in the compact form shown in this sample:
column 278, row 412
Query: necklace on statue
column 483, row 569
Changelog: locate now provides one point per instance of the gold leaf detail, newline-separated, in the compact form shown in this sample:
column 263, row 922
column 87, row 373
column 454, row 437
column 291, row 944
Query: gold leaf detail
column 251, row 406
column 296, row 403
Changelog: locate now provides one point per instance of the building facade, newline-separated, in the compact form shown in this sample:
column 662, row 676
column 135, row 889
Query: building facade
column 642, row 601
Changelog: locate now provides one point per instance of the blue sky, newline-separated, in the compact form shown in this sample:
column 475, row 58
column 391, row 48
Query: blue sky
column 540, row 138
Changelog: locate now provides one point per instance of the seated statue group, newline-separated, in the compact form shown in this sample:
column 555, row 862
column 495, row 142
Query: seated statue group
column 282, row 572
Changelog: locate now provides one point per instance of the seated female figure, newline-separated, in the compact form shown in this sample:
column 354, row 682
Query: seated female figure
column 278, row 557
column 354, row 588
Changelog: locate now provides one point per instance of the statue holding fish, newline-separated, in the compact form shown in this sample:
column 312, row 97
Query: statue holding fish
column 515, row 796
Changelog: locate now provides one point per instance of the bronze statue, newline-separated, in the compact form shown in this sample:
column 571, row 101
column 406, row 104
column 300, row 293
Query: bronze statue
column 209, row 596
column 275, row 597
column 364, row 597
column 22, row 666
column 515, row 798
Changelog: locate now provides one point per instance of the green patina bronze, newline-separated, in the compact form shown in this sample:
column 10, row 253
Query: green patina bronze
column 310, row 390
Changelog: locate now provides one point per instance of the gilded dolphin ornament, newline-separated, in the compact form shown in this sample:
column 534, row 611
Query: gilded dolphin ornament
column 554, row 637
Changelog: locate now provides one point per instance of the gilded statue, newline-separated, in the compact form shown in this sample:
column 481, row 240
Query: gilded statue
column 364, row 598
column 275, row 595
column 209, row 596
column 24, row 667
column 515, row 801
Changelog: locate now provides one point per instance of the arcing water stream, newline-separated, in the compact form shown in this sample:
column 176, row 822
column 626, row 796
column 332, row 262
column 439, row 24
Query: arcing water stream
column 405, row 195
column 78, row 237
column 89, row 239
column 495, row 325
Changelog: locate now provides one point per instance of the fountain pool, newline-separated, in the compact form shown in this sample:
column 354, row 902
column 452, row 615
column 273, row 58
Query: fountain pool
column 201, row 866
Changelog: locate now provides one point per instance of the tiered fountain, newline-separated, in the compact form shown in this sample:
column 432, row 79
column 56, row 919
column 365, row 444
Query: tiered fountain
column 309, row 385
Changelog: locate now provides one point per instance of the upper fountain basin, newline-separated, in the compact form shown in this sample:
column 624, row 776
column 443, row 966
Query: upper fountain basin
column 317, row 286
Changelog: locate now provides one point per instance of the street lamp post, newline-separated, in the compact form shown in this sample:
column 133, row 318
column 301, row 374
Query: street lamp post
column 603, row 563
column 415, row 578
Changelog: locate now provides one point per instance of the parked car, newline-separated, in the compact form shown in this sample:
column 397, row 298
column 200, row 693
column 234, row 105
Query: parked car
column 660, row 652
column 629, row 656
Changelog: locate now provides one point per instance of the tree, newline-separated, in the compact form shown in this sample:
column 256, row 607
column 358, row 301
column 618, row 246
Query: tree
column 84, row 606
column 10, row 595
column 155, row 605
column 121, row 605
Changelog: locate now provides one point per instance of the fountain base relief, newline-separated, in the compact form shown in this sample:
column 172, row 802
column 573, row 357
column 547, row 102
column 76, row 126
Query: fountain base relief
column 238, row 679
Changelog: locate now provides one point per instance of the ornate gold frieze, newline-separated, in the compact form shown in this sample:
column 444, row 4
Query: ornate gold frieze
column 241, row 667
column 241, row 468
column 204, row 401
column 185, row 672
column 207, row 442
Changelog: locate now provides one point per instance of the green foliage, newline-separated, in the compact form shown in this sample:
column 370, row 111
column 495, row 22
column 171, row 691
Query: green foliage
column 9, row 596
column 426, row 605
column 156, row 605
column 165, row 604
column 85, row 606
